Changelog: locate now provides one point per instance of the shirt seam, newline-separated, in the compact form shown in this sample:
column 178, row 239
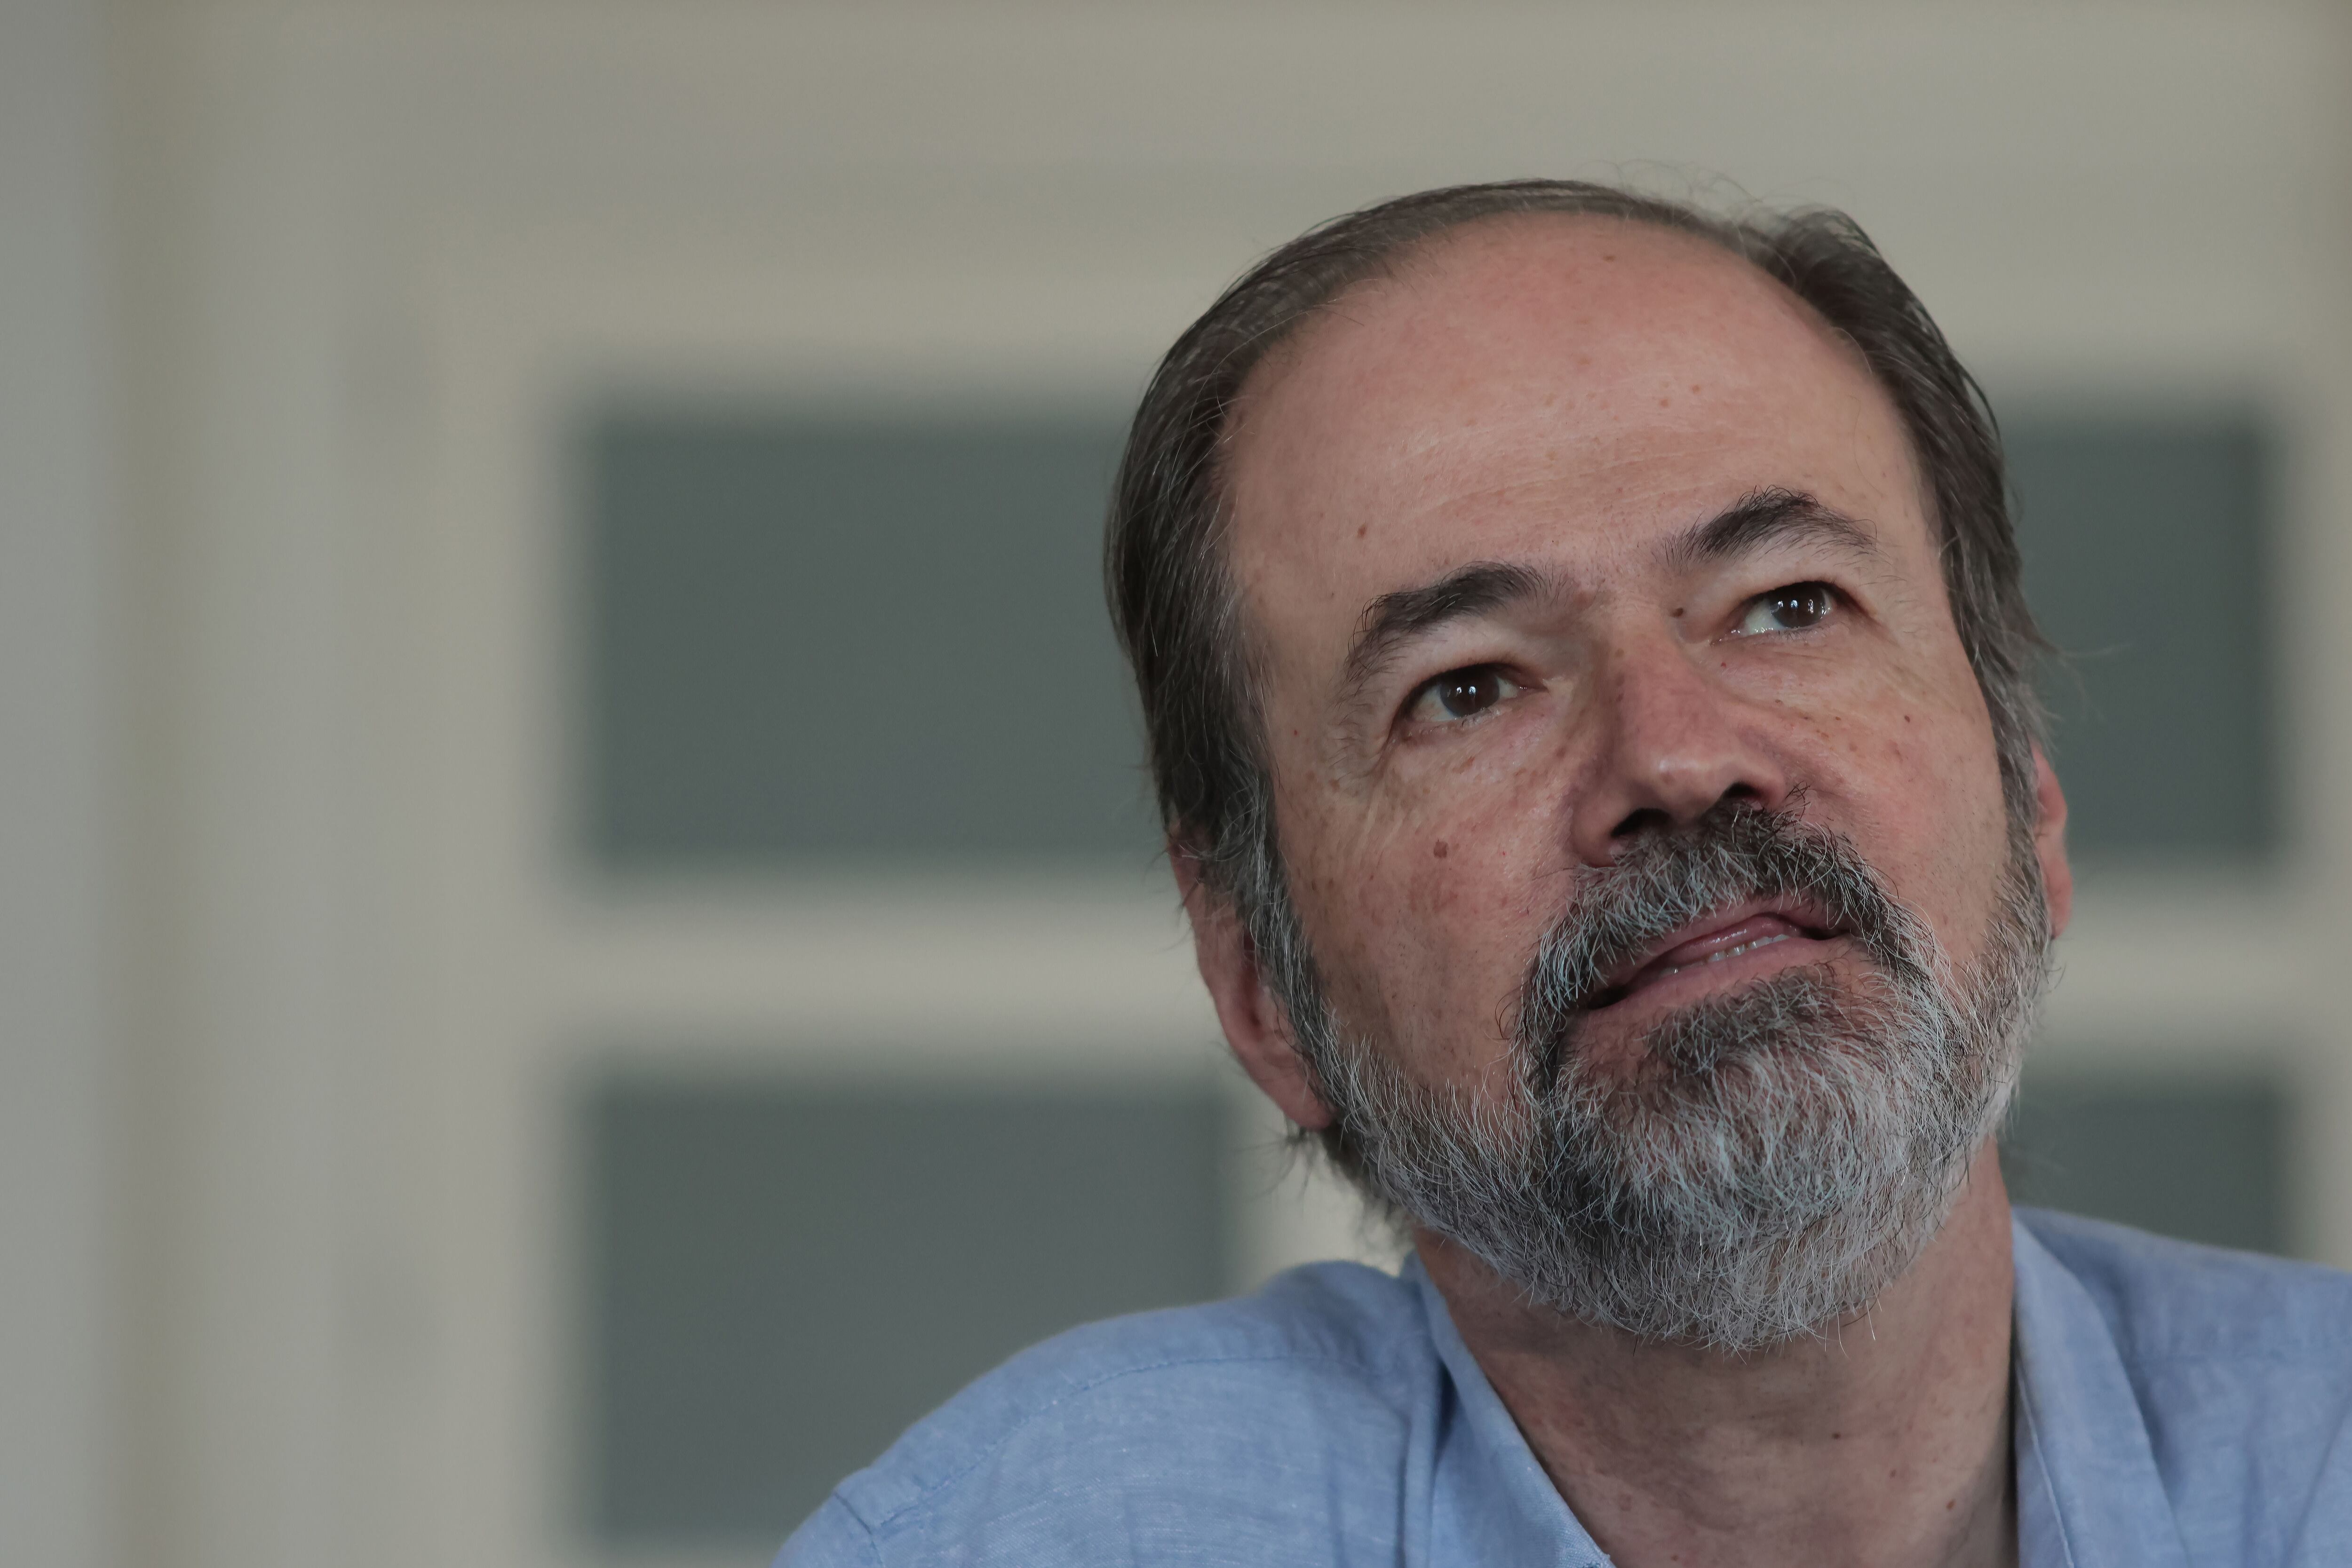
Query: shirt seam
column 2042, row 1467
column 873, row 1547
column 924, row 1498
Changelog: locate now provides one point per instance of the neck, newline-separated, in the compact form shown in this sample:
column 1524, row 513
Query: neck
column 1886, row 1442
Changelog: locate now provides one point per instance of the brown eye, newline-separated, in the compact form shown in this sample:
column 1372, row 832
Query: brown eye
column 1461, row 694
column 1796, row 608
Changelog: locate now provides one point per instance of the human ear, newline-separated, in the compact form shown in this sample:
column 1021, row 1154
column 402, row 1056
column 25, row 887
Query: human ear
column 1255, row 1025
column 2050, row 842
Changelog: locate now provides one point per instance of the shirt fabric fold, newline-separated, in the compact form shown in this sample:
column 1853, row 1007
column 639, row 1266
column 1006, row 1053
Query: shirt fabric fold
column 2173, row 1407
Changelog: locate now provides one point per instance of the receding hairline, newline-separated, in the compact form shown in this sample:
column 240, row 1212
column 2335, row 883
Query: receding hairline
column 1425, row 253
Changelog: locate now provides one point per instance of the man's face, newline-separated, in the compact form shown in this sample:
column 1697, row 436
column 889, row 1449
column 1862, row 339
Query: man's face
column 1564, row 535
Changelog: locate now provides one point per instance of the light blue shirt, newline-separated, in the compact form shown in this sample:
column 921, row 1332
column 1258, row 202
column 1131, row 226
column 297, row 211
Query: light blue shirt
column 2175, row 1407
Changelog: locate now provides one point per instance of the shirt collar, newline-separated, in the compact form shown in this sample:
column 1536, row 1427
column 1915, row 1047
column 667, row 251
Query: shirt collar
column 2088, row 1491
column 1492, row 1502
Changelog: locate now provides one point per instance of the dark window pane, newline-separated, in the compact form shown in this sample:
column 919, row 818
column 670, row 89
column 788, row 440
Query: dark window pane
column 2202, row 1159
column 823, row 641
column 2148, row 560
column 782, row 1279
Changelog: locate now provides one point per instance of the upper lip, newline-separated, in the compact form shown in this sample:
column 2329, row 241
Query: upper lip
column 1808, row 917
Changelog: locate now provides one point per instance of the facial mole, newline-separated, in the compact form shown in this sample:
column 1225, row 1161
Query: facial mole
column 1441, row 849
column 1678, row 611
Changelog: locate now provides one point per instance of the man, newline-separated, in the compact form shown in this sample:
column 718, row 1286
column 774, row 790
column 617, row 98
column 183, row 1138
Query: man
column 1588, row 684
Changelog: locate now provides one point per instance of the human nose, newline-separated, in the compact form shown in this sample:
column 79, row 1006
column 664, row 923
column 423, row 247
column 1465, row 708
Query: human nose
column 1676, row 746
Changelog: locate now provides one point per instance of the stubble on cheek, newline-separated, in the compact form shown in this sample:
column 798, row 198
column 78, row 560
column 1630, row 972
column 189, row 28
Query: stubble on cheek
column 1900, row 761
column 1937, row 828
column 1427, row 945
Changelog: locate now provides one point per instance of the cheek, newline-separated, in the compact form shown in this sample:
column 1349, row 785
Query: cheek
column 1434, row 903
column 1917, row 779
column 1466, row 843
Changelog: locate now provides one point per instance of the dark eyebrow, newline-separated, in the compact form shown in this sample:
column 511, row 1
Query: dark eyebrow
column 1767, row 517
column 1393, row 620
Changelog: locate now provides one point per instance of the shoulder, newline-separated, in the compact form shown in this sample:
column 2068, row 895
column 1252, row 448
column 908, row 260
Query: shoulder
column 2241, row 1368
column 2167, row 1300
column 1091, row 1444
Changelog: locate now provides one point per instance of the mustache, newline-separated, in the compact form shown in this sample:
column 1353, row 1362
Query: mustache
column 1665, row 880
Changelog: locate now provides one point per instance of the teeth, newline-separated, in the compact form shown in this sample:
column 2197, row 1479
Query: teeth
column 1747, row 948
column 1717, row 956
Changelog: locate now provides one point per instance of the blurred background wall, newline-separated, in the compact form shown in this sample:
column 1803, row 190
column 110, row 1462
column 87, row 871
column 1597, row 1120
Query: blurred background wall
column 580, row 934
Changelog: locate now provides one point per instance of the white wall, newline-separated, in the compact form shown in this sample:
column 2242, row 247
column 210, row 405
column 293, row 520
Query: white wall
column 383, row 246
column 61, row 625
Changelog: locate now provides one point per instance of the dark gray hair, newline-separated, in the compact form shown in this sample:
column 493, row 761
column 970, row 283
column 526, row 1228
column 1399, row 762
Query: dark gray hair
column 1178, row 616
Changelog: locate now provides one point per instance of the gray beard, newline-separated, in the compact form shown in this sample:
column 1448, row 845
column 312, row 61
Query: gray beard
column 1781, row 1155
